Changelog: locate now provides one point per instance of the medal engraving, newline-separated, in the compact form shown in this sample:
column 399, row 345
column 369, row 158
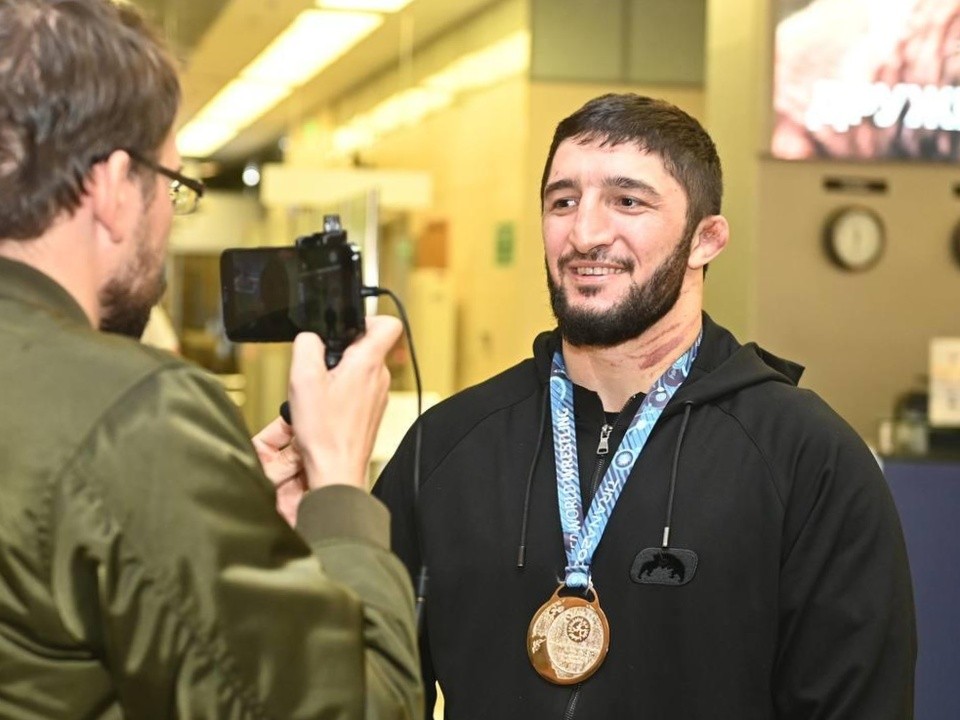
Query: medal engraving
column 568, row 638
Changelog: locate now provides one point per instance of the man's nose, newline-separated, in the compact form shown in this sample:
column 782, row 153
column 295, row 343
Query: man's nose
column 591, row 228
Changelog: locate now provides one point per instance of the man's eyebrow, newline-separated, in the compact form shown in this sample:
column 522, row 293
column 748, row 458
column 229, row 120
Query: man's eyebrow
column 562, row 184
column 628, row 183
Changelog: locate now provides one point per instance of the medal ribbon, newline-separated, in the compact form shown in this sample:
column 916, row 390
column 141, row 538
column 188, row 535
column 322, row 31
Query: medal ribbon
column 581, row 538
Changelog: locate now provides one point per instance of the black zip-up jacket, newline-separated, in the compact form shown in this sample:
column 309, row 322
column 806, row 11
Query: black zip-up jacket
column 800, row 604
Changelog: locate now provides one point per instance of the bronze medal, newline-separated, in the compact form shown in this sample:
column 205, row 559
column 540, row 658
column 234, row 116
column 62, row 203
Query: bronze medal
column 568, row 638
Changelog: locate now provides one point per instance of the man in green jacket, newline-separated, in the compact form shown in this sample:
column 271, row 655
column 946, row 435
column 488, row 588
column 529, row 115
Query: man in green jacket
column 144, row 569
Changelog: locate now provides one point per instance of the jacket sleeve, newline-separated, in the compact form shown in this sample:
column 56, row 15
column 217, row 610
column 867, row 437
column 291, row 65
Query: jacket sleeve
column 168, row 556
column 395, row 488
column 847, row 633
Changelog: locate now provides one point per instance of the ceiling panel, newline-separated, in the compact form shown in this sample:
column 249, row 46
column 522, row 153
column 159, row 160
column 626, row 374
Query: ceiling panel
column 183, row 22
column 218, row 38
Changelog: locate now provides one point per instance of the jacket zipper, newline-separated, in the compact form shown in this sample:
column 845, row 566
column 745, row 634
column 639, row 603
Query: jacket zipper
column 572, row 705
column 603, row 449
column 604, row 446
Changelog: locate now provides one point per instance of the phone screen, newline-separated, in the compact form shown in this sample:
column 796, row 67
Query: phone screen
column 260, row 295
column 272, row 293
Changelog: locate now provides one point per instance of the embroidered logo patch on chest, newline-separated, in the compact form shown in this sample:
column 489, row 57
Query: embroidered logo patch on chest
column 659, row 566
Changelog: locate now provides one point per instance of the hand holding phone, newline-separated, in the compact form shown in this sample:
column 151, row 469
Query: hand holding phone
column 336, row 445
column 271, row 294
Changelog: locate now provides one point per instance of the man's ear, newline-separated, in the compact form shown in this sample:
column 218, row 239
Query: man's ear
column 114, row 194
column 709, row 240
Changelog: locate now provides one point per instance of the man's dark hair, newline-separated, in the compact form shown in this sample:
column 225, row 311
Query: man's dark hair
column 78, row 80
column 656, row 127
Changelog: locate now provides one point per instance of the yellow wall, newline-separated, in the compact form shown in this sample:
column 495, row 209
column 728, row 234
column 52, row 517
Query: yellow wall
column 736, row 94
column 472, row 150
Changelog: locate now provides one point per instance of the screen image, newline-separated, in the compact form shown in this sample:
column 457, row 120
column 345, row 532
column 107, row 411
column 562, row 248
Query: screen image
column 867, row 80
column 270, row 294
column 259, row 292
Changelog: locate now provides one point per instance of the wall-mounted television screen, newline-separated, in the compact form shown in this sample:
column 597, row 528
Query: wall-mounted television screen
column 867, row 80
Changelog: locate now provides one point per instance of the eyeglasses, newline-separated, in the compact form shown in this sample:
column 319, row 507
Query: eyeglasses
column 185, row 193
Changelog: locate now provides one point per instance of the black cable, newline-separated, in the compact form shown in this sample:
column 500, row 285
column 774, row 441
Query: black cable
column 422, row 576
column 377, row 291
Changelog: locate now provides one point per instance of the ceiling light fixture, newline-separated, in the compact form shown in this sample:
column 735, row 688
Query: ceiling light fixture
column 314, row 40
column 384, row 6
column 502, row 59
column 251, row 175
column 199, row 138
column 496, row 61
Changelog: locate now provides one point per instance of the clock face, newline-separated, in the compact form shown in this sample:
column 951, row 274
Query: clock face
column 854, row 238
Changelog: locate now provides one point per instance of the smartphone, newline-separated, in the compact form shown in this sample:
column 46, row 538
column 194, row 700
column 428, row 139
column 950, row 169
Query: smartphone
column 269, row 294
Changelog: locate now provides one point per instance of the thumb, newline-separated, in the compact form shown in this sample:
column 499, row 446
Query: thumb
column 307, row 357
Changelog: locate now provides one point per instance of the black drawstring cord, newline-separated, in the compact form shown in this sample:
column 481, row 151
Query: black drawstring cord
column 522, row 549
column 688, row 406
column 422, row 576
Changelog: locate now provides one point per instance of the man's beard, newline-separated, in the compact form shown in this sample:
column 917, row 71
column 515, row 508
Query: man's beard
column 127, row 299
column 629, row 318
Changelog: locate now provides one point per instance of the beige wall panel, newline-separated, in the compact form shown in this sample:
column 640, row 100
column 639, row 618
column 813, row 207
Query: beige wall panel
column 863, row 336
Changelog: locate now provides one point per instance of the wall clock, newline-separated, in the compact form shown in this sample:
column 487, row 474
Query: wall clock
column 854, row 238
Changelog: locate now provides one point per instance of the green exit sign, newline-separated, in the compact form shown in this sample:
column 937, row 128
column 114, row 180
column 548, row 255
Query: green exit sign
column 506, row 240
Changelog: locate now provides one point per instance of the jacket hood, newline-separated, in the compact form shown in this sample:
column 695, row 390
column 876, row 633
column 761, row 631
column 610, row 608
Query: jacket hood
column 723, row 366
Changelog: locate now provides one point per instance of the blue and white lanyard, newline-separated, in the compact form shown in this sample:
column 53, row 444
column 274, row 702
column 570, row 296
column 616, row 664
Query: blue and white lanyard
column 581, row 538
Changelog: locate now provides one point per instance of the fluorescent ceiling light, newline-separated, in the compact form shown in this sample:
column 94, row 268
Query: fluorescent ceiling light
column 384, row 6
column 199, row 138
column 242, row 101
column 493, row 63
column 406, row 108
column 350, row 138
column 401, row 109
column 314, row 40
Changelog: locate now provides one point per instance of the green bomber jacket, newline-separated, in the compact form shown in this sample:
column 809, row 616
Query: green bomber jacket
column 144, row 570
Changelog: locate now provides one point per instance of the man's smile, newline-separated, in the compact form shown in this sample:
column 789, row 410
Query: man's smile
column 584, row 270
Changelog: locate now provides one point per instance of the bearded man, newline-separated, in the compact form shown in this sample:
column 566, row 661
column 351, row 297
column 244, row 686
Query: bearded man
column 648, row 519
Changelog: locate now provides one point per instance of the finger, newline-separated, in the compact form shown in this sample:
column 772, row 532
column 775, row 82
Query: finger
column 283, row 484
column 288, row 499
column 284, row 465
column 381, row 335
column 385, row 330
column 276, row 435
column 308, row 352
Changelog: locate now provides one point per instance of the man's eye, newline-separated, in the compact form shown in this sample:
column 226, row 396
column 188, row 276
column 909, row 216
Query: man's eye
column 630, row 202
column 563, row 203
